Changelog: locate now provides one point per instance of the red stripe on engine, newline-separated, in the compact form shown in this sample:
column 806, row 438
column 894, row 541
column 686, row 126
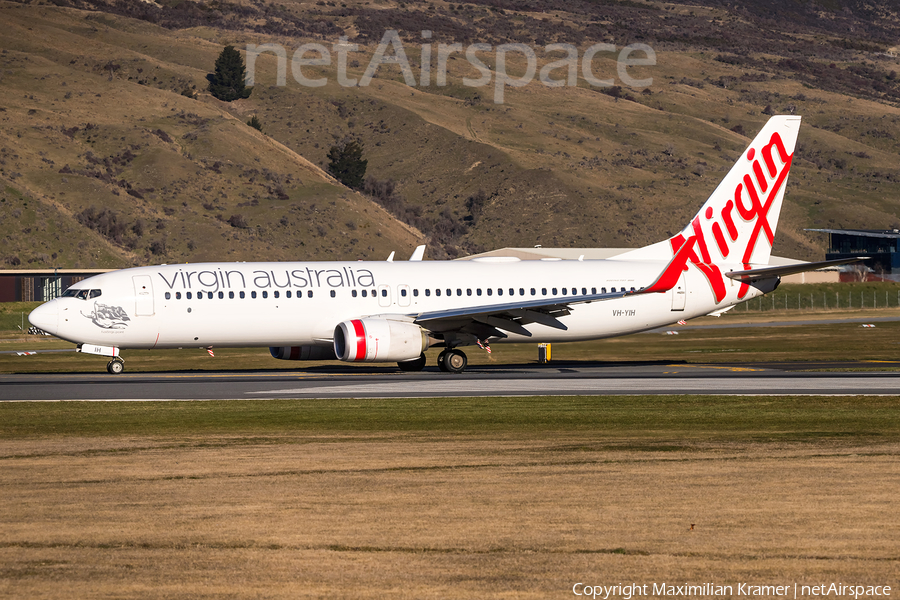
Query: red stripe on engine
column 295, row 352
column 360, row 339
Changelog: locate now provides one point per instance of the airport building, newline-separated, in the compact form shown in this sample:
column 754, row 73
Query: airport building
column 882, row 246
column 28, row 285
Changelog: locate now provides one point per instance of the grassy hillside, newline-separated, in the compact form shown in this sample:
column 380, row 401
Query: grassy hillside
column 93, row 119
column 111, row 167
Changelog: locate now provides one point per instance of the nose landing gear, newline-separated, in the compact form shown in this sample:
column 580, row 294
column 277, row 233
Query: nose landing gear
column 115, row 365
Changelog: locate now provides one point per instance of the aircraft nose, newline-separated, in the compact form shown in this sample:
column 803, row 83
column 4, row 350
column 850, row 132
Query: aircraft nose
column 46, row 317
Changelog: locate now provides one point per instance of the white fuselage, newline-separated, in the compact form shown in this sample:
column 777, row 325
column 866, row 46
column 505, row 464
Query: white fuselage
column 300, row 303
column 393, row 311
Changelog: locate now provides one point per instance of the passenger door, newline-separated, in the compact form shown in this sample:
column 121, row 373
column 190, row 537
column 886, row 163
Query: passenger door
column 143, row 296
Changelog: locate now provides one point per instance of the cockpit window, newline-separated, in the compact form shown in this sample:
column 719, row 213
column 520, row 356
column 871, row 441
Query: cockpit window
column 80, row 294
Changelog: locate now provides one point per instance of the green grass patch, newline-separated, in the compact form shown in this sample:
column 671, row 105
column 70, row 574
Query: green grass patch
column 652, row 418
column 14, row 316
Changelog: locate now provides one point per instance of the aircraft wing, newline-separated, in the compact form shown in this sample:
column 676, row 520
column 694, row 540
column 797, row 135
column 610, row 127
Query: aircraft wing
column 492, row 320
column 769, row 272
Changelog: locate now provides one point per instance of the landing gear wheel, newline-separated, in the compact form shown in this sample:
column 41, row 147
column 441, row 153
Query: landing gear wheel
column 440, row 361
column 413, row 365
column 455, row 361
column 115, row 366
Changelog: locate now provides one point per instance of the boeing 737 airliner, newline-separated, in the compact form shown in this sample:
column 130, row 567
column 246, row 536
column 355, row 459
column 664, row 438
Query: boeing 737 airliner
column 393, row 311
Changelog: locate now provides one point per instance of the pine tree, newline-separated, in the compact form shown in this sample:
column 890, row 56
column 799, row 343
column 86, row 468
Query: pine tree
column 255, row 123
column 347, row 164
column 227, row 83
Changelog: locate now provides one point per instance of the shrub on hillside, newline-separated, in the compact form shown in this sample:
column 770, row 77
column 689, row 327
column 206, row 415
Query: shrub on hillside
column 158, row 247
column 384, row 193
column 475, row 205
column 163, row 136
column 238, row 221
column 105, row 222
column 346, row 164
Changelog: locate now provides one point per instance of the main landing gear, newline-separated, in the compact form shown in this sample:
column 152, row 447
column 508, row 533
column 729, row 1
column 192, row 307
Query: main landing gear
column 115, row 366
column 449, row 361
column 452, row 361
column 417, row 364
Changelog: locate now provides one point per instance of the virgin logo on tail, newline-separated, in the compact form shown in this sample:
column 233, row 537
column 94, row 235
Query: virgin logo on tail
column 753, row 199
column 758, row 211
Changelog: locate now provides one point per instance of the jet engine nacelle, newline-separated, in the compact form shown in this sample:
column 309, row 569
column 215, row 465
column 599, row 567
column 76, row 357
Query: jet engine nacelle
column 302, row 352
column 379, row 340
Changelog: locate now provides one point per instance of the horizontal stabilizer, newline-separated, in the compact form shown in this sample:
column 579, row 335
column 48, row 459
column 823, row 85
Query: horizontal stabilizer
column 769, row 272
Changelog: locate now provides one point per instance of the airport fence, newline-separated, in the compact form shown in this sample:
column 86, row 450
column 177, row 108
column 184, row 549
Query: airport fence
column 825, row 300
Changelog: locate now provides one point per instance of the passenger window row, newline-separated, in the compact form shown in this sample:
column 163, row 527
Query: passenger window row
column 508, row 291
column 241, row 295
column 367, row 293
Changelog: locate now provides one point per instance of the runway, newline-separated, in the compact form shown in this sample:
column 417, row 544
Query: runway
column 525, row 380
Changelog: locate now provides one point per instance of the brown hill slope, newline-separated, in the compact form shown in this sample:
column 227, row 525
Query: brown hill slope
column 569, row 166
column 103, row 168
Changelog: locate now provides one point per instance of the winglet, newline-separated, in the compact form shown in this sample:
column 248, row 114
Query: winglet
column 418, row 254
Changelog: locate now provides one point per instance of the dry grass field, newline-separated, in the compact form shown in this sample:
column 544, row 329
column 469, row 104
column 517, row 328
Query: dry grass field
column 445, row 498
